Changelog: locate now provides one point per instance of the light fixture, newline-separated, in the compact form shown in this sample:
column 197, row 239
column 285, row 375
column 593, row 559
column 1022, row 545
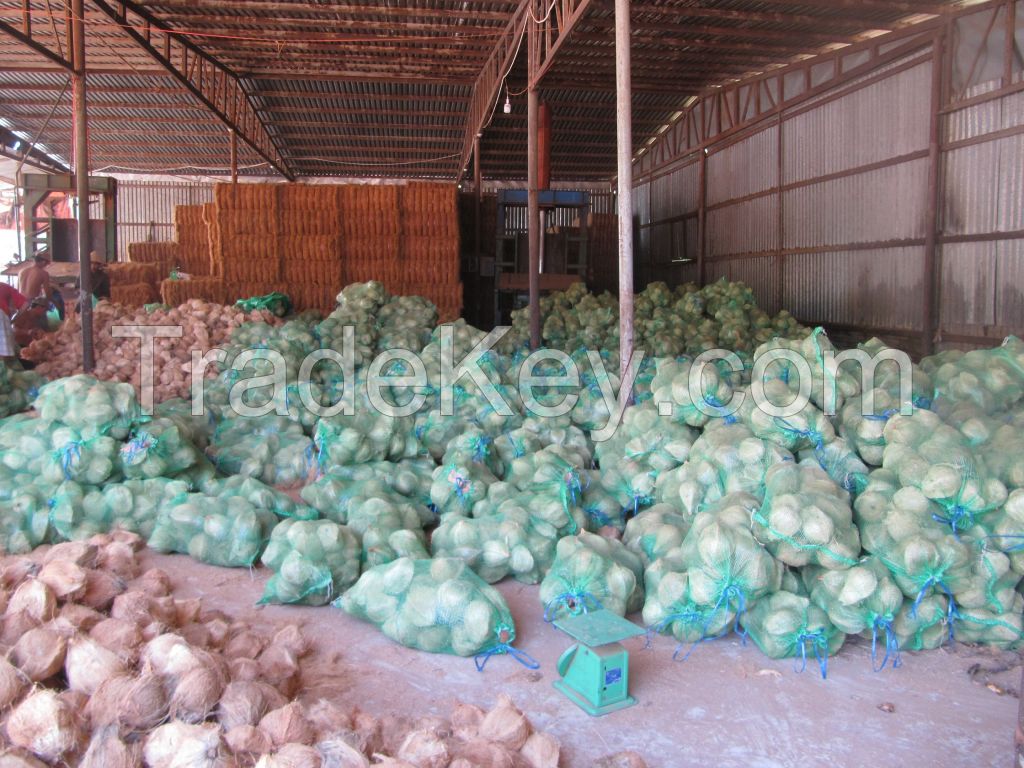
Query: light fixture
column 17, row 146
column 507, row 109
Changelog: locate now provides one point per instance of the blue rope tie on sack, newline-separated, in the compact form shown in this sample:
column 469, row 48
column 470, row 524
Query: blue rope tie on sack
column 730, row 593
column 816, row 438
column 138, row 445
column 1014, row 536
column 502, row 646
column 952, row 612
column 578, row 601
column 819, row 644
column 69, row 455
column 892, row 646
column 883, row 416
column 719, row 407
column 958, row 518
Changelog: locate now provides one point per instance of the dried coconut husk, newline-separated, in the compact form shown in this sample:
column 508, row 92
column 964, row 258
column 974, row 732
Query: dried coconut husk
column 132, row 606
column 280, row 668
column 245, row 703
column 424, row 749
column 292, row 639
column 133, row 540
column 65, row 579
column 338, row 753
column 119, row 559
column 288, row 725
column 485, row 754
column 154, row 583
column 89, row 664
column 247, row 741
column 541, row 751
column 211, row 614
column 506, row 725
column 245, row 645
column 101, row 589
column 393, row 729
column 383, row 761
column 81, row 553
column 76, row 701
column 164, row 610
column 181, row 745
column 16, row 571
column 243, row 670
column 5, row 597
column 80, row 617
column 35, row 599
column 15, row 625
column 195, row 634
column 465, row 721
column 44, row 725
column 196, row 694
column 171, row 655
column 40, row 653
column 17, row 758
column 122, row 637
column 106, row 750
column 292, row 756
column 367, row 728
column 13, row 683
column 217, row 632
column 187, row 611
column 136, row 704
column 328, row 718
column 627, row 759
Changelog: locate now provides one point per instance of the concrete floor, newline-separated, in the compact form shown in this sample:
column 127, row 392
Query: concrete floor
column 727, row 705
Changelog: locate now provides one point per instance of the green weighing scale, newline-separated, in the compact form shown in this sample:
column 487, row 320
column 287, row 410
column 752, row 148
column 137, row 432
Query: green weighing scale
column 595, row 671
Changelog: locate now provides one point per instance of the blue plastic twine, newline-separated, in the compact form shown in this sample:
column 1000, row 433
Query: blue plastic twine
column 892, row 646
column 952, row 613
column 883, row 416
column 958, row 518
column 501, row 648
column 819, row 643
column 70, row 453
column 578, row 601
column 816, row 438
column 719, row 408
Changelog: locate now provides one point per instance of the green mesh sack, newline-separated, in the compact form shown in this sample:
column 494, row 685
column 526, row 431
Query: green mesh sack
column 411, row 478
column 365, row 436
column 276, row 303
column 196, row 430
column 24, row 444
column 79, row 512
column 157, row 449
column 1007, row 531
column 726, row 458
column 89, row 406
column 841, row 463
column 600, row 505
column 382, row 544
column 930, row 562
column 630, row 484
column 341, row 500
column 555, row 487
column 864, row 427
column 260, row 495
column 229, row 533
column 861, row 600
column 992, row 583
column 459, row 485
column 1004, row 629
column 313, row 561
column 591, row 572
column 503, row 543
column 272, row 449
column 926, row 624
column 695, row 407
column 647, row 439
column 655, row 532
column 405, row 323
column 887, row 376
column 785, row 626
column 18, row 389
column 13, row 482
column 92, row 461
column 476, row 447
column 807, row 428
column 1003, row 455
column 991, row 378
column 374, row 519
column 535, row 434
column 669, row 607
column 24, row 522
column 841, row 384
column 806, row 518
column 438, row 605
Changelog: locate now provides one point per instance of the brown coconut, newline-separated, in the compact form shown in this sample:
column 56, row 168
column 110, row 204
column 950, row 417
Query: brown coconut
column 80, row 553
column 216, row 631
column 245, row 703
column 197, row 693
column 133, row 540
column 154, row 583
column 132, row 606
column 244, row 645
column 181, row 745
column 541, row 751
column 383, row 761
column 118, row 558
column 135, row 703
column 89, row 664
column 247, row 740
column 106, row 750
column 17, row 758
column 187, row 611
column 627, row 759
column 484, row 754
column 367, row 728
column 15, row 625
column 40, row 653
column 65, row 579
column 122, row 637
column 16, row 571
column 288, row 725
column 13, row 683
column 164, row 610
column 195, row 634
column 280, row 668
column 338, row 753
column 506, row 725
column 101, row 589
column 292, row 756
column 44, row 725
column 424, row 749
column 242, row 670
column 80, row 617
column 465, row 721
column 35, row 599
column 292, row 639
column 5, row 597
column 328, row 718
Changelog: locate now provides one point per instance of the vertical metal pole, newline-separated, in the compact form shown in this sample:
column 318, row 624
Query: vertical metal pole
column 624, row 134
column 780, row 258
column 702, row 214
column 477, row 229
column 82, row 180
column 234, row 156
column 532, row 176
column 931, row 261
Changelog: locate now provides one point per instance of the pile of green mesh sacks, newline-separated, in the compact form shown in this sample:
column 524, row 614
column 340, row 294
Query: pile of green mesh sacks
column 17, row 389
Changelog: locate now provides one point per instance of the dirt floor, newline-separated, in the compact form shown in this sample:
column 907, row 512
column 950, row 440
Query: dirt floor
column 727, row 705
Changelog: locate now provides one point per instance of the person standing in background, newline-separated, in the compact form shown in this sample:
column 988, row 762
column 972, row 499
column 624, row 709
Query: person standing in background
column 10, row 302
column 34, row 281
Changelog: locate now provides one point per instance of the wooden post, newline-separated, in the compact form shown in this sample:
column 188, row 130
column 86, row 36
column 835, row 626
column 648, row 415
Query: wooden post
column 81, row 143
column 234, row 156
column 533, row 201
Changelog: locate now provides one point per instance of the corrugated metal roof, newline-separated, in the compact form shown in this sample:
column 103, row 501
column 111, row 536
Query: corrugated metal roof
column 383, row 88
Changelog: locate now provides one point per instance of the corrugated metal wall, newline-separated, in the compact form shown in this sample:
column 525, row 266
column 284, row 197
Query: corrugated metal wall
column 823, row 208
column 145, row 209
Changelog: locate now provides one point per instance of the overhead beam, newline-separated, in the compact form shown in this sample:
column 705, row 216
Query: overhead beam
column 26, row 39
column 216, row 86
column 554, row 30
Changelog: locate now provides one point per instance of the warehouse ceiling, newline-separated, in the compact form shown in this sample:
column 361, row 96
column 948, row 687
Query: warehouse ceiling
column 390, row 89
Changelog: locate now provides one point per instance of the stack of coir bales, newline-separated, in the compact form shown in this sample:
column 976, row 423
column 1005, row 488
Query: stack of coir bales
column 247, row 254
column 164, row 256
column 310, row 245
column 429, row 263
column 370, row 227
column 193, row 239
column 133, row 285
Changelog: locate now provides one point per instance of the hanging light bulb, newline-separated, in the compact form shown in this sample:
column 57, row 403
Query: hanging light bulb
column 507, row 109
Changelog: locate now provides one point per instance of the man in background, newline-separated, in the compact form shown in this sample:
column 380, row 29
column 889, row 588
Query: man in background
column 34, row 280
column 10, row 302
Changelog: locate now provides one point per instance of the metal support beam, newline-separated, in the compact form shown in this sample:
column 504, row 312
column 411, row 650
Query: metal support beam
column 25, row 38
column 477, row 225
column 216, row 86
column 532, row 175
column 702, row 211
column 234, row 156
column 932, row 201
column 555, row 29
column 624, row 134
column 82, row 181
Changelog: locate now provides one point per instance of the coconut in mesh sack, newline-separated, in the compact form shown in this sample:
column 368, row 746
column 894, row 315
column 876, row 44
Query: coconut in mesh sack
column 991, row 378
column 313, row 561
column 78, row 512
column 195, row 429
column 555, row 487
column 366, row 435
column 388, row 526
column 655, row 532
column 864, row 427
column 437, row 605
column 230, row 533
column 786, row 626
column 648, row 440
column 1003, row 629
column 924, row 625
column 24, row 522
column 474, row 446
column 72, row 456
column 535, row 434
column 806, row 518
column 888, row 376
column 459, row 485
column 692, row 405
column 592, row 572
column 726, row 458
column 807, row 428
column 829, row 388
column 863, row 599
column 600, row 505
column 273, row 449
column 260, row 495
column 840, row 462
column 156, row 449
column 1003, row 454
column 17, row 389
column 89, row 406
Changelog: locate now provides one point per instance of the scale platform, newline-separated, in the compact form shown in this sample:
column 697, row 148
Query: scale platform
column 598, row 628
